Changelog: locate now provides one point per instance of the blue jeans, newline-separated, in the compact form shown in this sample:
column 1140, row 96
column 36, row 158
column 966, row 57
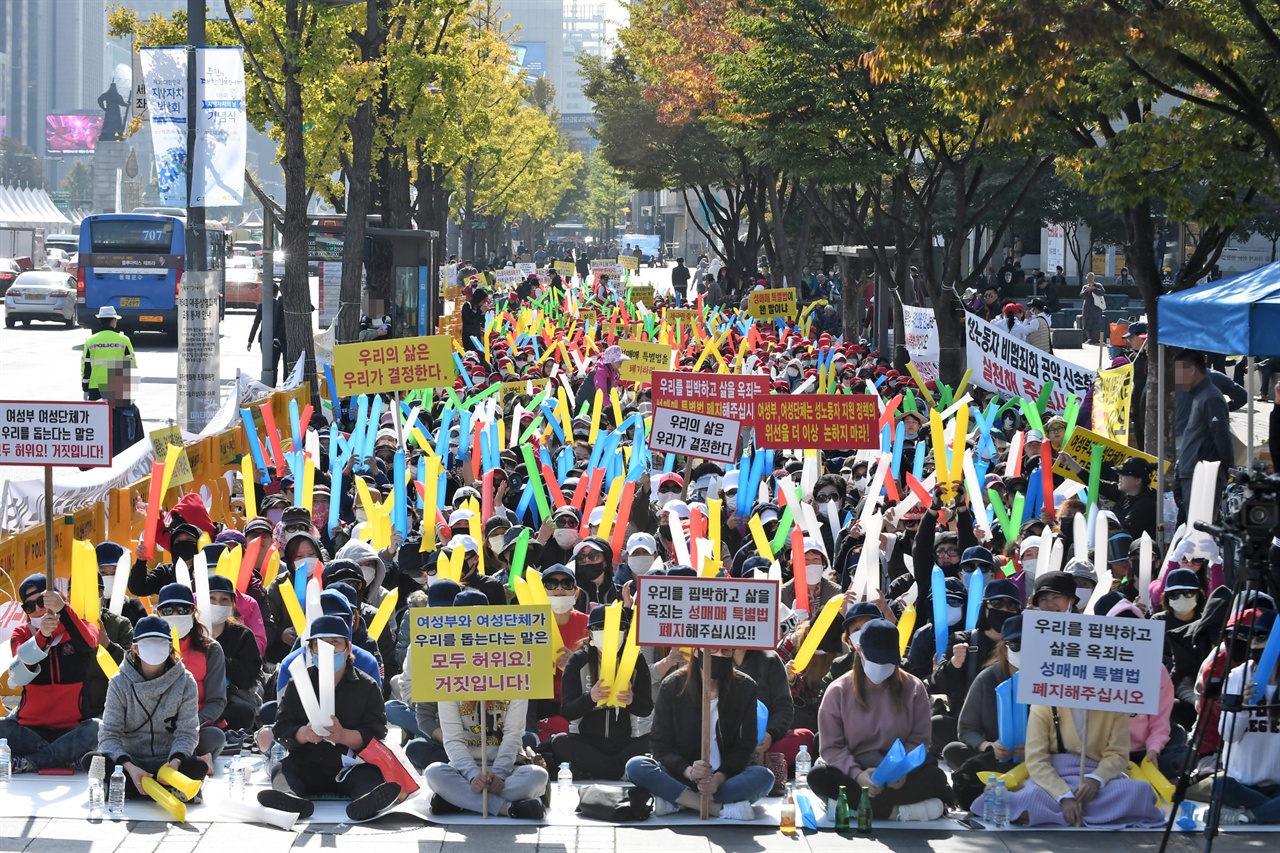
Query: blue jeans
column 1262, row 800
column 47, row 748
column 402, row 715
column 750, row 785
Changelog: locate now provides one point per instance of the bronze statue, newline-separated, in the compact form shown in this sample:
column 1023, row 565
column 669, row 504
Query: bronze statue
column 111, row 102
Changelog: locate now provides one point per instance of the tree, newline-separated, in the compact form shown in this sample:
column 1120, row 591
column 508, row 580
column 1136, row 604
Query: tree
column 19, row 166
column 1265, row 223
column 78, row 184
column 606, row 197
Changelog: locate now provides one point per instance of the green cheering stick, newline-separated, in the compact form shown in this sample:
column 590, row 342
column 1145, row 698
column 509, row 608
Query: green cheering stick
column 784, row 527
column 1072, row 414
column 518, row 558
column 535, row 483
column 1007, row 526
column 1095, row 473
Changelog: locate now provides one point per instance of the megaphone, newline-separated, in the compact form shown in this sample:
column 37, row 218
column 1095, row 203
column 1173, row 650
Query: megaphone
column 165, row 798
column 183, row 784
column 253, row 813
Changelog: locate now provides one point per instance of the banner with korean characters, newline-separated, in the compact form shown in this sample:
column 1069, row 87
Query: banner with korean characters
column 1112, row 396
column 55, row 434
column 402, row 364
column 1080, row 448
column 724, row 396
column 817, row 421
column 1010, row 367
column 469, row 654
column 699, row 436
column 920, row 330
column 643, row 359
column 769, row 304
column 717, row 613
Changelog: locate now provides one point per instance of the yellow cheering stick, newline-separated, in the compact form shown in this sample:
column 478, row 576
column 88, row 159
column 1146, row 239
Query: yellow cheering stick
column 271, row 569
column 609, row 649
column 817, row 631
column 180, row 782
column 597, row 405
column 385, row 609
column 538, row 591
column 958, row 438
column 165, row 799
column 611, row 507
column 757, row 533
column 915, row 374
column 626, row 668
column 296, row 616
column 964, row 383
column 617, row 407
column 714, row 509
column 429, row 489
column 246, row 478
column 940, row 455
column 106, row 663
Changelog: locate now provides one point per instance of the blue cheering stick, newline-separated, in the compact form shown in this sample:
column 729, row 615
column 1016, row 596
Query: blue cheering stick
column 1266, row 666
column 296, row 425
column 255, row 444
column 973, row 605
column 333, row 392
column 917, row 464
column 466, row 377
column 1007, row 732
column 881, row 381
column 553, row 420
column 899, row 437
column 476, row 341
column 544, row 455
column 564, row 463
column 464, row 436
column 537, row 350
column 401, row 509
column 938, row 592
column 886, row 443
column 442, row 437
column 295, row 460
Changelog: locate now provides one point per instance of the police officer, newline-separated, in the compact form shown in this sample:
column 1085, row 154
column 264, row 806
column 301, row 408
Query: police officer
column 102, row 350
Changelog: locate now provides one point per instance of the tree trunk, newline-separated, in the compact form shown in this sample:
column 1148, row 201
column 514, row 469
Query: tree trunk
column 295, row 287
column 359, row 199
column 1139, row 237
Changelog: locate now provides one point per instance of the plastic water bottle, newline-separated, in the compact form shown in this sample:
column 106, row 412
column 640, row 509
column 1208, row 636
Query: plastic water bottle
column 1000, row 816
column 568, row 794
column 989, row 800
column 275, row 757
column 804, row 763
column 115, row 801
column 6, row 763
column 235, row 778
column 95, row 797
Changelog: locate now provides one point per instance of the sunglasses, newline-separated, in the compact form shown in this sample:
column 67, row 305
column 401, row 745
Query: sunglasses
column 1014, row 645
column 829, row 496
column 175, row 610
column 32, row 605
column 1005, row 605
column 1174, row 596
column 562, row 583
column 674, row 490
column 947, row 552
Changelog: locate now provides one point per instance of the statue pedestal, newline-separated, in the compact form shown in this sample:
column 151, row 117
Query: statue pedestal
column 108, row 161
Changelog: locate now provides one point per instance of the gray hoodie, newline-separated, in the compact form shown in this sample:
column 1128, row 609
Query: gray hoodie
column 149, row 722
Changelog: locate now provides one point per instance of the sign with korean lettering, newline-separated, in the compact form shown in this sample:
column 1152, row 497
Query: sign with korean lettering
column 565, row 268
column 400, row 364
column 1003, row 364
column 523, row 386
column 1080, row 448
column 699, row 436
column 1102, row 663
column 638, row 293
column 508, row 276
column 645, row 358
column 605, row 268
column 687, row 317
column 1112, row 393
column 722, row 395
column 588, row 315
column 468, row 654
column 60, row 435
column 817, row 421
column 161, row 440
column 717, row 613
column 769, row 304
column 629, row 262
column 920, row 333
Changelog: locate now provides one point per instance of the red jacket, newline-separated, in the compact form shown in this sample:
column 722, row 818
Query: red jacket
column 55, row 698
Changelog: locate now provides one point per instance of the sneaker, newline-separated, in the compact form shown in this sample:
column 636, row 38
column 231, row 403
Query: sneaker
column 930, row 809
column 367, row 806
column 441, row 806
column 662, row 808
column 1233, row 816
column 530, row 809
column 741, row 810
column 17, row 765
column 286, row 802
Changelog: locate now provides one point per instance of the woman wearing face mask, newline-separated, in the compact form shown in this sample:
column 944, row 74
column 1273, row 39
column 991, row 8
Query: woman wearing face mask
column 183, row 545
column 495, row 531
column 821, row 588
column 1199, row 553
column 562, row 595
column 601, row 740
column 641, row 554
column 978, row 747
column 922, row 649
column 240, row 652
column 593, row 569
column 300, row 549
column 676, row 775
column 492, row 588
column 247, row 612
column 828, row 506
column 1180, row 611
column 1250, row 787
column 372, row 569
column 862, row 714
column 151, row 716
column 203, row 658
column 558, row 535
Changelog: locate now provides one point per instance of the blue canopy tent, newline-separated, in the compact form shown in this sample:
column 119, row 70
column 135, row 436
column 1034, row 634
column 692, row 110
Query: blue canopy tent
column 1237, row 315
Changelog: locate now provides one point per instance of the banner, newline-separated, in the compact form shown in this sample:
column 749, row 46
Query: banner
column 401, row 364
column 1096, row 662
column 629, row 262
column 768, row 304
column 468, row 654
column 687, row 317
column 638, row 293
column 164, row 70
column 60, row 435
column 645, row 358
column 565, row 268
column 221, row 128
column 1056, row 256
column 920, row 330
column 1112, row 395
column 164, row 438
column 718, row 613
column 1080, row 448
column 699, row 436
column 817, row 421
column 722, row 395
column 1003, row 364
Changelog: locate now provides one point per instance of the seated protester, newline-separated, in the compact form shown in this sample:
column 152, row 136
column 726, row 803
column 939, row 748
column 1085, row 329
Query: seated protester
column 333, row 602
column 1233, row 651
column 240, row 652
column 1198, row 552
column 183, row 544
column 298, row 549
column 1180, row 610
column 601, row 740
column 346, row 578
column 773, row 690
column 808, row 686
column 557, row 536
column 203, row 658
column 399, row 706
column 921, row 651
column 676, row 775
column 978, row 748
column 53, row 652
column 855, row 619
column 152, row 715
column 593, row 569
column 1250, row 785
column 496, row 562
column 1054, row 592
column 1082, row 571
column 427, row 747
column 373, row 569
column 246, row 608
column 115, row 633
column 641, row 555
column 489, row 585
column 109, row 554
column 817, row 576
column 862, row 714
column 320, row 762
column 263, row 530
column 562, row 594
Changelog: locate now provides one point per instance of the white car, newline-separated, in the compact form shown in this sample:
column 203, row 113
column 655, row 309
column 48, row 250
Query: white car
column 41, row 295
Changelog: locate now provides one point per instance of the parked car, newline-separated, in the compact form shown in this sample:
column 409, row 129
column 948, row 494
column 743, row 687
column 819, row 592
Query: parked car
column 9, row 270
column 244, row 282
column 41, row 295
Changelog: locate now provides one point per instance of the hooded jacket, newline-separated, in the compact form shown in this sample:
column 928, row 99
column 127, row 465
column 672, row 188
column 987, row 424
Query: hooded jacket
column 150, row 722
column 51, row 671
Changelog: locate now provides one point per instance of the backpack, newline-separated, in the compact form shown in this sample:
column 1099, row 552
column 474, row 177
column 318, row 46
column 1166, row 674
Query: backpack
column 614, row 804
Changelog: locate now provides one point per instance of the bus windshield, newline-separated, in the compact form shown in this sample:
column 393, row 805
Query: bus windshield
column 139, row 236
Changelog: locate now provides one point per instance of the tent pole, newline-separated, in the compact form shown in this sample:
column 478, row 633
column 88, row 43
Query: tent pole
column 1248, row 458
column 1160, row 540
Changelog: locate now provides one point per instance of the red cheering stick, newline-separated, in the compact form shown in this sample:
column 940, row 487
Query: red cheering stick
column 553, row 487
column 619, row 536
column 1046, row 474
column 921, row 493
column 593, row 497
column 486, row 495
column 154, row 497
column 273, row 438
column 799, row 582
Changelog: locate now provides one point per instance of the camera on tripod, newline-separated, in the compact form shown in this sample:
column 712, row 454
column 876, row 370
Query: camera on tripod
column 1251, row 510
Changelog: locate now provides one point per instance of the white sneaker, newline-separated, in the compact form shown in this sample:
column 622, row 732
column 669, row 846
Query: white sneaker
column 1232, row 816
column 741, row 810
column 930, row 809
column 662, row 808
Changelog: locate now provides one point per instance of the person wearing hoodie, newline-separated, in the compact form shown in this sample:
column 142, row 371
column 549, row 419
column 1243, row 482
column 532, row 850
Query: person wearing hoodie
column 203, row 658
column 152, row 714
column 299, row 549
column 978, row 747
column 248, row 614
column 240, row 653
column 372, row 568
column 593, row 568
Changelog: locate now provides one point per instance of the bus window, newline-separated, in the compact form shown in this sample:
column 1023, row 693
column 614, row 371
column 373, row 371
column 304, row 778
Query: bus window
column 150, row 236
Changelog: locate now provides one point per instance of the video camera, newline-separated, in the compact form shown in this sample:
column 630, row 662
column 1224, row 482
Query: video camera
column 1251, row 513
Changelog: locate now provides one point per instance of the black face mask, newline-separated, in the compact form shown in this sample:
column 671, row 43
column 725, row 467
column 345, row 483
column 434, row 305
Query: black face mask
column 1255, row 655
column 1239, row 650
column 588, row 571
column 721, row 667
column 997, row 618
column 184, row 551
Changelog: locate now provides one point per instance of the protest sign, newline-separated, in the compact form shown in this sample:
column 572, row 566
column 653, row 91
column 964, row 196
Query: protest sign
column 161, row 441
column 1112, row 393
column 1003, row 364
column 687, row 317
column 467, row 654
column 817, row 421
column 629, row 262
column 920, row 333
column 527, row 270
column 638, row 293
column 522, row 386
column 1096, row 662
column 1080, row 448
column 588, row 315
column 718, row 613
column 769, row 304
column 508, row 276
column 724, row 396
column 401, row 364
column 689, row 434
column 565, row 268
column 645, row 358
column 606, row 268
column 55, row 434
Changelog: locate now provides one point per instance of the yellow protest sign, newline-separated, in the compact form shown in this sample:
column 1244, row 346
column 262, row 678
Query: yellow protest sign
column 565, row 268
column 1080, row 448
column 164, row 438
column 588, row 315
column 629, row 262
column 468, row 654
column 522, row 387
column 645, row 358
column 688, row 316
column 401, row 364
column 1112, row 393
column 640, row 293
column 769, row 304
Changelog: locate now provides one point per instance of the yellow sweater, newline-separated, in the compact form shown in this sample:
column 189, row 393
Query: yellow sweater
column 1108, row 744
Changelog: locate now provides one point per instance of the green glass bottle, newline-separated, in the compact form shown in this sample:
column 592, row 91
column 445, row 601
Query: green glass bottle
column 864, row 813
column 842, row 811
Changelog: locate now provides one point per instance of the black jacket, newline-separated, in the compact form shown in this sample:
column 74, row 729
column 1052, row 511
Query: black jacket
column 770, row 675
column 676, row 738
column 922, row 558
column 1137, row 513
column 357, row 704
column 603, row 725
column 1208, row 433
column 954, row 682
column 240, row 651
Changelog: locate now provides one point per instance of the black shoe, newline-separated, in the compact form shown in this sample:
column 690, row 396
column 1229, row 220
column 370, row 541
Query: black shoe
column 530, row 809
column 363, row 808
column 281, row 801
column 441, row 806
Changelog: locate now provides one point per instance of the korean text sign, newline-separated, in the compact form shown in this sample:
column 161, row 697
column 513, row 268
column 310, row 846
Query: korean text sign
column 721, row 395
column 1008, row 366
column 821, row 421
column 1112, row 395
column 1080, row 448
column 401, row 364
column 56, row 434
column 700, row 436
column 645, row 358
column 467, row 654
column 1096, row 662
column 717, row 613
column 638, row 293
column 770, row 304
column 161, row 441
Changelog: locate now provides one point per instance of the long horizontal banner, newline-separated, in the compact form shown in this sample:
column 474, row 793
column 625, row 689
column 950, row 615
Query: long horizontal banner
column 817, row 421
column 1003, row 364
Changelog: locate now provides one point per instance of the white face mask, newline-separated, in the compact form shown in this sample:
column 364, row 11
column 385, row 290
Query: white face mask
column 813, row 573
column 495, row 544
column 182, row 624
column 369, row 573
column 641, row 564
column 877, row 672
column 565, row 537
column 154, row 651
column 954, row 615
column 220, row 613
column 1029, row 565
column 597, row 639
column 1181, row 606
column 561, row 604
column 108, row 584
column 731, row 504
column 1015, row 658
column 855, row 638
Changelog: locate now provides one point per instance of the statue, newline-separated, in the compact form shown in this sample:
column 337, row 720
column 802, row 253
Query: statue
column 110, row 102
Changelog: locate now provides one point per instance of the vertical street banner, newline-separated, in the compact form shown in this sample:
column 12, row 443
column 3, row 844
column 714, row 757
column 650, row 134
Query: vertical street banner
column 221, row 128
column 921, row 332
column 164, row 71
column 1012, row 368
column 1112, row 396
column 1056, row 256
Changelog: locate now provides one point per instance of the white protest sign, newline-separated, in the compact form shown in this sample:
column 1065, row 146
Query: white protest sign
column 1101, row 663
column 920, row 331
column 718, row 613
column 57, row 434
column 1010, row 367
column 690, row 434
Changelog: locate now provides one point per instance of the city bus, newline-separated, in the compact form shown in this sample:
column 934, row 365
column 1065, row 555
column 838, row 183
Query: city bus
column 133, row 262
